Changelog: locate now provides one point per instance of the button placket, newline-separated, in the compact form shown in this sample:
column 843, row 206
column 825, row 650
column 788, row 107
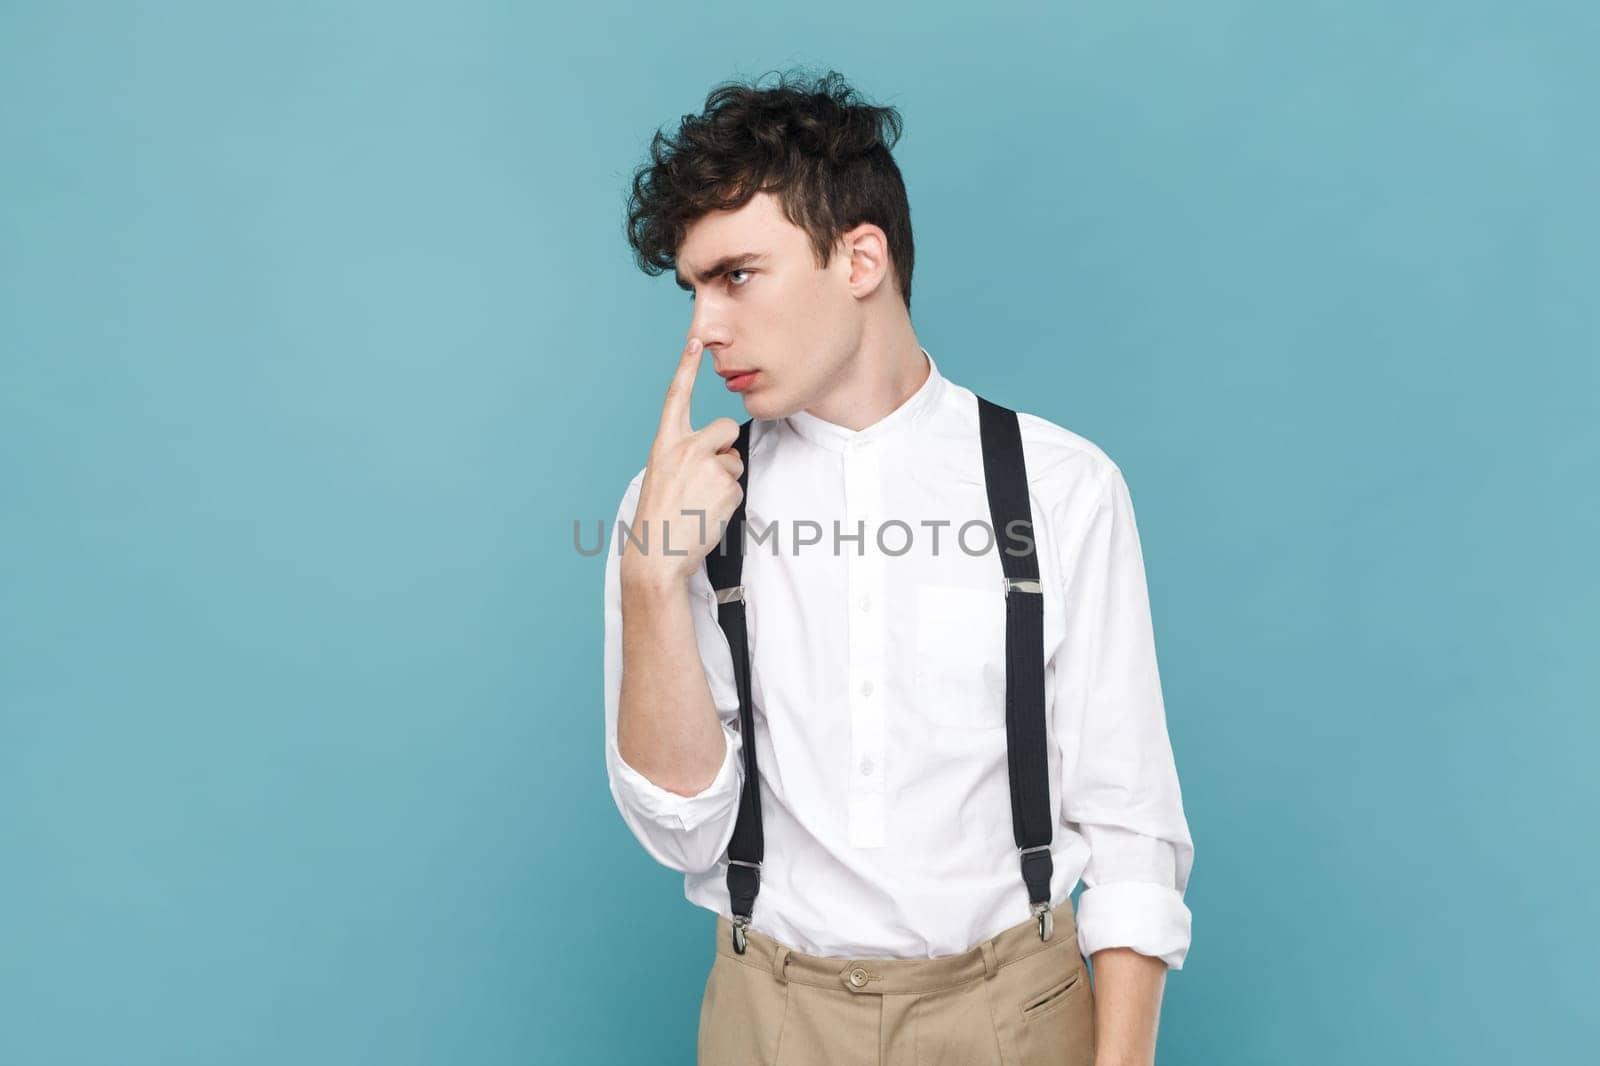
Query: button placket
column 863, row 502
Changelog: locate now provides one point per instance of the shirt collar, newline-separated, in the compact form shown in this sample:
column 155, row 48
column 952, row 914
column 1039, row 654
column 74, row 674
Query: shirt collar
column 835, row 437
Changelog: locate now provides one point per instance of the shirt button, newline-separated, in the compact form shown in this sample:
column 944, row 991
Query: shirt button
column 866, row 767
column 866, row 603
column 866, row 688
column 858, row 977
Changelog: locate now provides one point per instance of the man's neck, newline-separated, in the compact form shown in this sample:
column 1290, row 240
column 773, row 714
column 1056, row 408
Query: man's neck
column 887, row 371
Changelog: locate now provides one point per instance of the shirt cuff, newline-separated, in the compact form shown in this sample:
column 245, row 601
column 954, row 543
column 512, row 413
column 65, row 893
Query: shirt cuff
column 671, row 809
column 1151, row 919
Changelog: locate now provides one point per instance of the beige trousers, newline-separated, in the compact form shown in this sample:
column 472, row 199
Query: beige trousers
column 1014, row 1000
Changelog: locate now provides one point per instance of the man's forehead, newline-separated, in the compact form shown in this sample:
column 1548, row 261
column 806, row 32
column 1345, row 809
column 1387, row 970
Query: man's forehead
column 697, row 255
column 722, row 234
column 756, row 227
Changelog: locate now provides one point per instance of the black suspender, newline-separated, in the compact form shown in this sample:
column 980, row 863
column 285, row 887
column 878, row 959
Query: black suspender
column 725, row 567
column 1005, row 477
column 1006, row 481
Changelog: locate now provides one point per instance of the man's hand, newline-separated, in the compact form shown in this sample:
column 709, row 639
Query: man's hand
column 690, row 487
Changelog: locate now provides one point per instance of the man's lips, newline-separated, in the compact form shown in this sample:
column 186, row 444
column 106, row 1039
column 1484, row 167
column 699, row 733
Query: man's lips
column 738, row 380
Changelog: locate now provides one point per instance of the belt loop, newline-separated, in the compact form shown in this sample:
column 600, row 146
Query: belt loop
column 780, row 962
column 990, row 963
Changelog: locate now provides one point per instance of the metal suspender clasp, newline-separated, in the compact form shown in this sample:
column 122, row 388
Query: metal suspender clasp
column 741, row 922
column 1042, row 911
column 1023, row 584
column 731, row 595
column 1047, row 920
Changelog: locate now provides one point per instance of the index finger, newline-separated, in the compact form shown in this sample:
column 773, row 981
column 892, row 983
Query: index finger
column 675, row 410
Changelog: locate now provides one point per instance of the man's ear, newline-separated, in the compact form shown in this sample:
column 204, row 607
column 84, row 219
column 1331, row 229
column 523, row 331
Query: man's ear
column 866, row 250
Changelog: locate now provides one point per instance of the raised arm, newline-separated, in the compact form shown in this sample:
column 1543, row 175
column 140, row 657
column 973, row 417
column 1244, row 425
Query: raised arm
column 671, row 709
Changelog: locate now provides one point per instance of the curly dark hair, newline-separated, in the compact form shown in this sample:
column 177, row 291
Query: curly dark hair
column 812, row 142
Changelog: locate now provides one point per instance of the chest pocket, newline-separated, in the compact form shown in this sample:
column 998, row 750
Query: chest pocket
column 960, row 657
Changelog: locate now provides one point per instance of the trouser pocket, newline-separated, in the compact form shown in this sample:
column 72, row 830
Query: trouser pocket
column 1044, row 1007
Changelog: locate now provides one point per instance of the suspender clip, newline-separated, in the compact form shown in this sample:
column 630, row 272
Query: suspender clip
column 1035, row 868
column 731, row 595
column 1047, row 919
column 1023, row 584
column 742, row 921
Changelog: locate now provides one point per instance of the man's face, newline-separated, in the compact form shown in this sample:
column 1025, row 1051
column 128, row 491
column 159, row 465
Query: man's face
column 797, row 326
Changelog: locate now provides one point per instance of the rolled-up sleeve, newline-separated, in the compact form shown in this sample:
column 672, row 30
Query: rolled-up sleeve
column 1120, row 783
column 685, row 833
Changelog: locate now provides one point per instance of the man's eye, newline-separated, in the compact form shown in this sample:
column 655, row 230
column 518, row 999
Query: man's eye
column 729, row 275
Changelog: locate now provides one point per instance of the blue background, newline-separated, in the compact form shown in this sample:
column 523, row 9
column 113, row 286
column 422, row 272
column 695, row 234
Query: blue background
column 319, row 331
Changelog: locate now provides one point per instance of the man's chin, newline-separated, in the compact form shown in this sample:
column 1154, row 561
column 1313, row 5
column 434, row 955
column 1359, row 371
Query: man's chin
column 762, row 407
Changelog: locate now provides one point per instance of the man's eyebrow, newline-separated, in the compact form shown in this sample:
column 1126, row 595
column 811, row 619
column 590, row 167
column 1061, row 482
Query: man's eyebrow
column 722, row 266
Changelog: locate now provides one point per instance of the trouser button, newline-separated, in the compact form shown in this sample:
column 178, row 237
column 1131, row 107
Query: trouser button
column 858, row 977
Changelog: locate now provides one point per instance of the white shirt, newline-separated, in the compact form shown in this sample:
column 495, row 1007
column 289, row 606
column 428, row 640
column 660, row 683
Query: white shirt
column 878, row 685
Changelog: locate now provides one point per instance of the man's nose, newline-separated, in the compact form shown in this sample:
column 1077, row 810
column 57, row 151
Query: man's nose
column 709, row 325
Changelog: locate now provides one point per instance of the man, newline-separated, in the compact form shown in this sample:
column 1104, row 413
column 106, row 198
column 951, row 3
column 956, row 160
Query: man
column 854, row 721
